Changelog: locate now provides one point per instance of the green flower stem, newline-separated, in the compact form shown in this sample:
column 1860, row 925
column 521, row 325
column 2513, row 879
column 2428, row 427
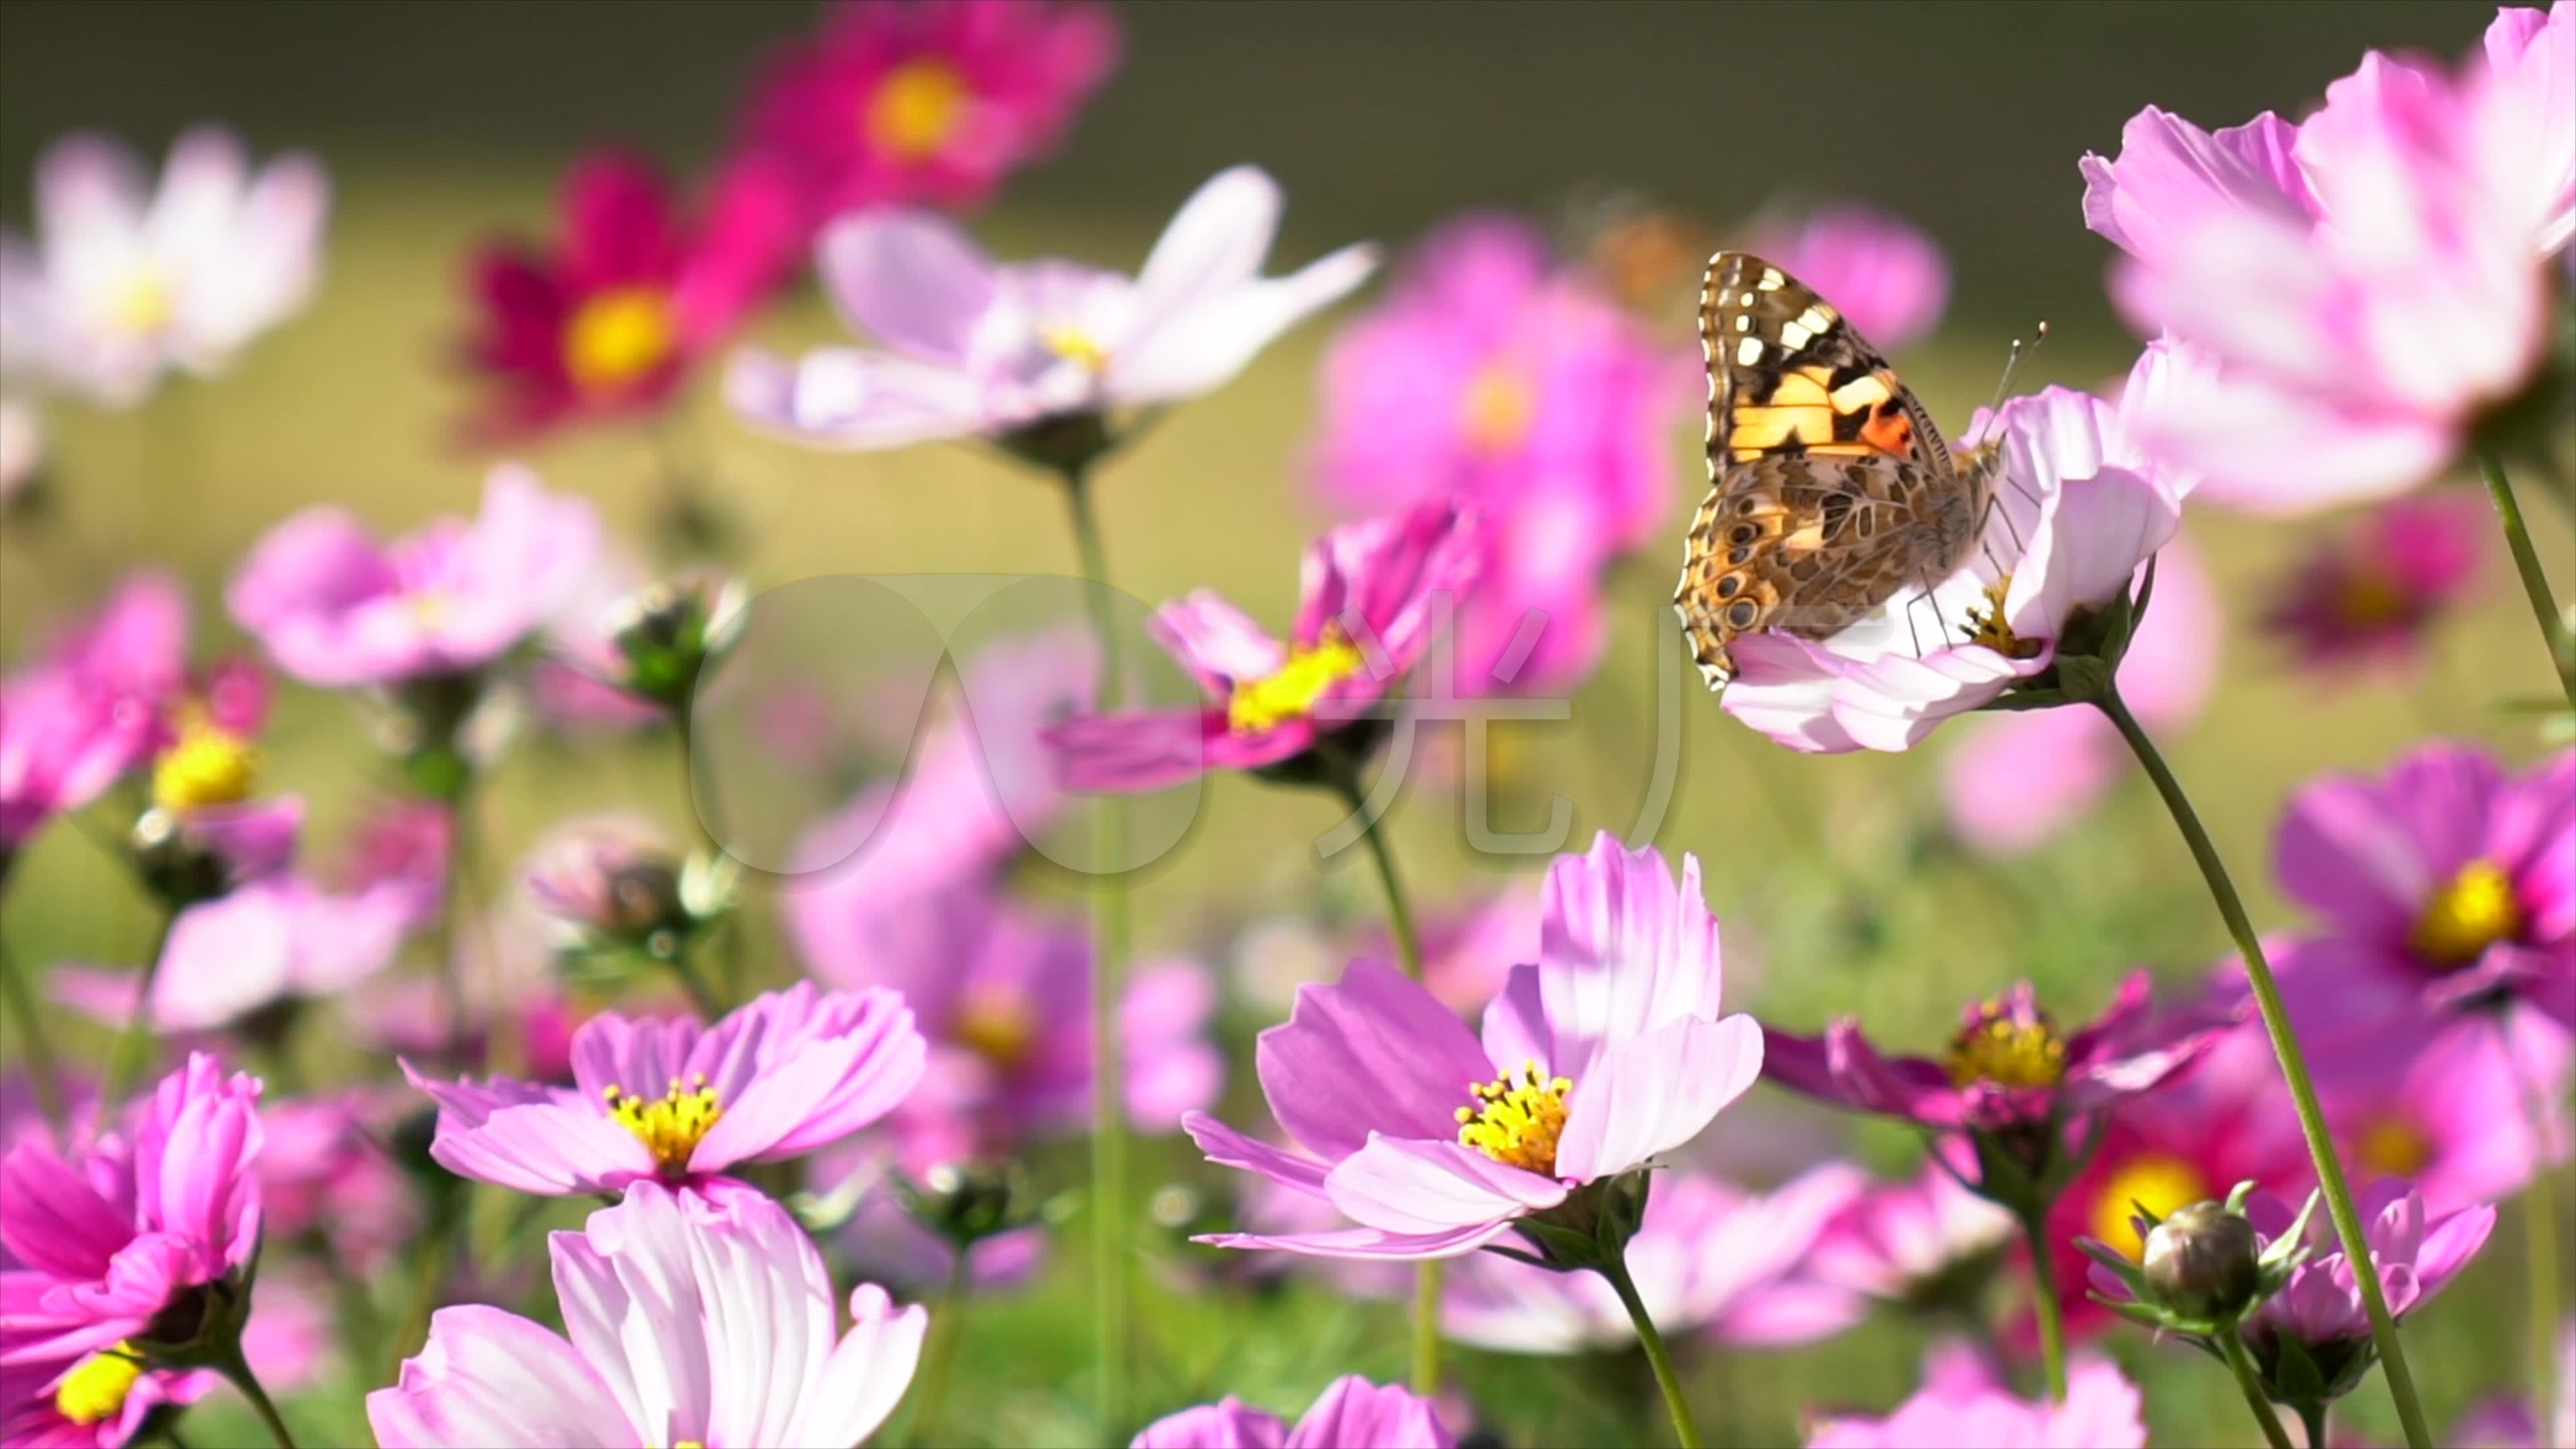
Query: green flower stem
column 714, row 996
column 701, row 995
column 2294, row 1066
column 236, row 1369
column 939, row 1359
column 2312, row 1418
column 2052, row 1313
column 2535, row 583
column 2231, row 1346
column 42, row 1076
column 134, row 1044
column 1685, row 1433
column 2540, row 1229
column 1109, row 987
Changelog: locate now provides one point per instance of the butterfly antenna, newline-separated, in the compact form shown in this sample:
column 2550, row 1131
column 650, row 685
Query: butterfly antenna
column 2012, row 362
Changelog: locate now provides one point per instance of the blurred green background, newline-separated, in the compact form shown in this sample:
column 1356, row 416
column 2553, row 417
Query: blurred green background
column 445, row 124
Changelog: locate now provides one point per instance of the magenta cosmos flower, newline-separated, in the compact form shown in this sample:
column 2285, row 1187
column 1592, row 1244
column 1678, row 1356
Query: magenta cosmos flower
column 1604, row 1054
column 336, row 608
column 1710, row 1258
column 124, row 283
column 100, row 1401
column 675, row 1102
column 630, row 296
column 908, row 102
column 686, row 1321
column 2446, row 879
column 1886, row 277
column 1351, row 1413
column 2374, row 593
column 975, row 348
column 148, row 1218
column 2370, row 282
column 2079, row 511
column 1493, row 376
column 1371, row 597
column 92, row 706
column 1964, row 1400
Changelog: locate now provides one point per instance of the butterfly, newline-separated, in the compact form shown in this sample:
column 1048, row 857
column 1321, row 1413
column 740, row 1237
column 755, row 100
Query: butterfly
column 1829, row 487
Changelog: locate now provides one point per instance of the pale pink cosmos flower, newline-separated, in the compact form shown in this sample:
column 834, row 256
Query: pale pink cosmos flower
column 612, row 874
column 1372, row 596
column 275, row 939
column 2016, row 781
column 677, row 1102
column 2368, row 283
column 900, row 102
column 975, row 348
column 1601, row 1056
column 1964, row 1400
column 336, row 608
column 1906, row 1242
column 2373, row 594
column 124, row 283
column 146, row 1216
column 1886, row 277
column 2078, row 510
column 686, row 1321
column 1710, row 1258
column 1495, row 376
column 2320, row 1308
column 2447, row 880
column 1351, row 1413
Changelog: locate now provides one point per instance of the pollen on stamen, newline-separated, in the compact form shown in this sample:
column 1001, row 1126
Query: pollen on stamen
column 670, row 1126
column 1517, row 1119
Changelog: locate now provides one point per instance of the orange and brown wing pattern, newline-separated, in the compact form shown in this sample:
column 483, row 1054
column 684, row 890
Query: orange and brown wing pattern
column 1788, row 374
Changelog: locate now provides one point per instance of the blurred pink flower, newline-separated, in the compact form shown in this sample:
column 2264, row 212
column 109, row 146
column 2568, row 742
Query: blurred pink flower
column 1964, row 1400
column 2374, row 593
column 2446, row 1104
column 2509, row 1423
column 511, row 992
column 2016, row 781
column 321, row 1171
column 2368, row 283
column 974, row 348
column 1884, row 275
column 1711, row 1258
column 2008, row 1066
column 632, row 295
column 1905, row 1242
column 335, row 608
column 686, row 1320
column 2320, row 1307
column 612, row 874
column 904, row 102
column 2077, row 510
column 266, row 941
column 400, row 841
column 93, row 704
column 788, row 1072
column 887, row 1245
column 1351, row 1413
column 2445, row 882
column 1605, row 1054
column 1373, row 596
column 123, row 283
column 145, row 1217
column 1467, row 950
column 1491, row 376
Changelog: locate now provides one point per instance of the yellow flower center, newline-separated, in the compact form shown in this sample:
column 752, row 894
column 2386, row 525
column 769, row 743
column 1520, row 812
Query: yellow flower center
column 619, row 337
column 208, row 765
column 1075, row 346
column 2368, row 598
column 997, row 1026
column 2394, row 1147
column 1986, row 626
column 1496, row 412
column 917, row 107
column 2158, row 1182
column 94, row 1391
column 1996, row 1048
column 1291, row 691
column 1517, row 1119
column 141, row 304
column 2475, row 910
column 672, row 1124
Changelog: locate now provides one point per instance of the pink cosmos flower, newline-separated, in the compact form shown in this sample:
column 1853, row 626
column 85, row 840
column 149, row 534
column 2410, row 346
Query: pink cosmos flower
column 1908, row 1242
column 2078, row 511
column 2445, row 881
column 2445, row 1104
column 93, row 705
column 335, row 608
column 1965, row 1401
column 124, row 284
column 1604, row 1054
column 686, row 1321
column 401, row 841
column 96, row 1401
column 888, row 1245
column 974, row 348
column 2373, row 594
column 2369, row 283
column 2016, row 781
column 676, row 1102
column 631, row 296
column 1709, row 1258
column 1351, row 1413
column 902, row 102
column 2320, row 1307
column 1492, row 376
column 147, row 1216
column 1886, row 277
column 1372, row 596
column 266, row 941
column 323, row 1172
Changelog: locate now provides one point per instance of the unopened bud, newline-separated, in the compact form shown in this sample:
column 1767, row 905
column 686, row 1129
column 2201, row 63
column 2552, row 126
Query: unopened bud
column 2201, row 1262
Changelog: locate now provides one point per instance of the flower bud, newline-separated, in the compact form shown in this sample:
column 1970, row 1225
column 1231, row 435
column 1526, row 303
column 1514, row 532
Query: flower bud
column 2201, row 1262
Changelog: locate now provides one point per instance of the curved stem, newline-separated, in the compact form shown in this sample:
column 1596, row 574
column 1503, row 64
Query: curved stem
column 2052, row 1313
column 236, row 1369
column 42, row 1076
column 2535, row 583
column 2294, row 1067
column 2231, row 1346
column 1685, row 1432
column 2312, row 1418
column 134, row 1043
column 939, row 1360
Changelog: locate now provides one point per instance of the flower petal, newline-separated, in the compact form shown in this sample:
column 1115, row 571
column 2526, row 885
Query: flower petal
column 1654, row 1093
column 1405, row 1185
column 1373, row 1052
column 913, row 280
